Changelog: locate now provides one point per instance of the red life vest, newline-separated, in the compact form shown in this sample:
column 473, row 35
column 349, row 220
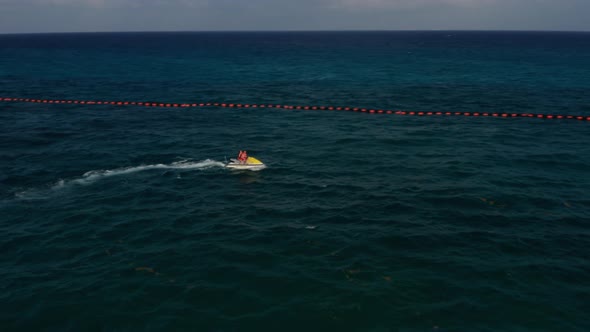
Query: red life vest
column 242, row 156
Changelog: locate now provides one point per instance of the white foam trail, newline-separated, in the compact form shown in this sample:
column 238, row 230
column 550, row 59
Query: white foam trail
column 92, row 176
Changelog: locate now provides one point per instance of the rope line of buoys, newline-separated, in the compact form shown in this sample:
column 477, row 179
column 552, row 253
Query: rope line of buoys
column 300, row 107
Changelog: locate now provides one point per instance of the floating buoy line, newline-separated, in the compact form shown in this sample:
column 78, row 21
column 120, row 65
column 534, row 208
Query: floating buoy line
column 298, row 107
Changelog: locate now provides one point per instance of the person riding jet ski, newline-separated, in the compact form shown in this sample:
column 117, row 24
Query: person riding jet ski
column 245, row 162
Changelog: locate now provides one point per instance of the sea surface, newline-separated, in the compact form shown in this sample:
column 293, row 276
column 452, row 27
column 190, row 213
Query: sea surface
column 122, row 218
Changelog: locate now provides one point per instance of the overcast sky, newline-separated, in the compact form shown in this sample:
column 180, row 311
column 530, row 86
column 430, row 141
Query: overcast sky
column 18, row 16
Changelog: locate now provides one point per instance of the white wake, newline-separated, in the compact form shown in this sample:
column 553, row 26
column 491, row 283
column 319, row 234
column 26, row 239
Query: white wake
column 96, row 175
column 92, row 176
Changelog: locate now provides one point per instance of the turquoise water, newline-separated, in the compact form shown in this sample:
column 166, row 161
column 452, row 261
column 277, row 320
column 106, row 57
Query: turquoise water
column 123, row 219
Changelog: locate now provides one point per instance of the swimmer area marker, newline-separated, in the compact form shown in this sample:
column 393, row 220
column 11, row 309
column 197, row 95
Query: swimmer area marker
column 298, row 107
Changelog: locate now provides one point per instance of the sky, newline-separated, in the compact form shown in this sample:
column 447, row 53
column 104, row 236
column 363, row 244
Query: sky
column 29, row 16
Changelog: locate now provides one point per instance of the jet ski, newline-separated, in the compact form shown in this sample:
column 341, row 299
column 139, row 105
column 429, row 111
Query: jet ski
column 250, row 163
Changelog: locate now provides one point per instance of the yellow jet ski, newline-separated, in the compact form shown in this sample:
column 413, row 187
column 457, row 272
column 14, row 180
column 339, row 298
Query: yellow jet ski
column 250, row 163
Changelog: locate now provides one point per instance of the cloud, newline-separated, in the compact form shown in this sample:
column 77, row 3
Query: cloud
column 107, row 3
column 404, row 4
column 262, row 4
column 166, row 15
column 78, row 3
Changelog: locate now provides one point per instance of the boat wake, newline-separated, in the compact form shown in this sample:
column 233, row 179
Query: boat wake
column 92, row 176
column 96, row 175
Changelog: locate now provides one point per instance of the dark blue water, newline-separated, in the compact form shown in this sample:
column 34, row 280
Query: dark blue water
column 122, row 219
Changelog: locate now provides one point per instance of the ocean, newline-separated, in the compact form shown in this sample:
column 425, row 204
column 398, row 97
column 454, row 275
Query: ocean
column 123, row 218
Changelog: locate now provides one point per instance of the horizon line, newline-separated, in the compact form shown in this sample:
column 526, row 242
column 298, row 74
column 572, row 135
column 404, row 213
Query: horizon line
column 294, row 30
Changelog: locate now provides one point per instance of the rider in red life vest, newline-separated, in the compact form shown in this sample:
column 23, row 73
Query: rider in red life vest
column 242, row 157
